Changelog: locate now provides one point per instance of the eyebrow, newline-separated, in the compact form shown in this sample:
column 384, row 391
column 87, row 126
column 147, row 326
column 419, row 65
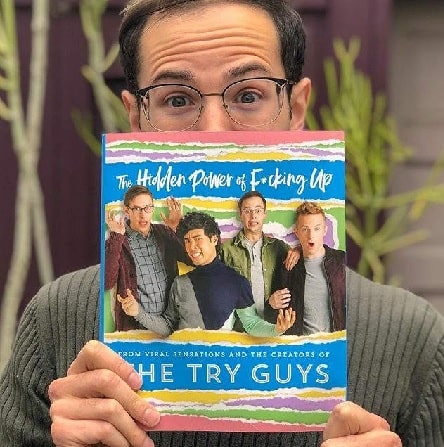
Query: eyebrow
column 176, row 75
column 246, row 69
column 188, row 76
column 194, row 237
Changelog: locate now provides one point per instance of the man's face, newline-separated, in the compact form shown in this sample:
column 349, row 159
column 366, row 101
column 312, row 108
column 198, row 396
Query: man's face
column 208, row 49
column 200, row 248
column 252, row 215
column 310, row 230
column 140, row 213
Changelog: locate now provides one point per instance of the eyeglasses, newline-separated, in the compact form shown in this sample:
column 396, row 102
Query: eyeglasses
column 255, row 211
column 147, row 209
column 251, row 102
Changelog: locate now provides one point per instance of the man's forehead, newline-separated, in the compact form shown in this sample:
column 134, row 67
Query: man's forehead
column 240, row 34
column 187, row 76
column 195, row 232
column 253, row 201
column 142, row 197
column 310, row 218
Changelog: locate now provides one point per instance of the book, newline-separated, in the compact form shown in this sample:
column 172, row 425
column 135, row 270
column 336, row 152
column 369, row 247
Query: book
column 224, row 380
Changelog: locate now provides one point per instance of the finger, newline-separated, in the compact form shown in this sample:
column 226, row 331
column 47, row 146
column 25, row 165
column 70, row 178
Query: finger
column 122, row 300
column 81, row 433
column 281, row 320
column 107, row 415
column 348, row 418
column 103, row 383
column 379, row 438
column 95, row 355
column 288, row 315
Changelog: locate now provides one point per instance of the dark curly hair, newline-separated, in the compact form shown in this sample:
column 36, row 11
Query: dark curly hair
column 196, row 220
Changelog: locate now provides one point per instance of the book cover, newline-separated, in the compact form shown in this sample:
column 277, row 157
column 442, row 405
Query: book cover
column 226, row 380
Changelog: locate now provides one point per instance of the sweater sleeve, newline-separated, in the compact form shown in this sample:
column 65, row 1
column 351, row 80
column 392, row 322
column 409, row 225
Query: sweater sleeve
column 254, row 324
column 396, row 359
column 160, row 324
column 113, row 250
column 55, row 325
column 427, row 425
column 24, row 405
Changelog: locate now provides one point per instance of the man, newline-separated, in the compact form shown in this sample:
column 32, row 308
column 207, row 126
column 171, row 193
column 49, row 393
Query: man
column 317, row 282
column 255, row 255
column 141, row 257
column 62, row 385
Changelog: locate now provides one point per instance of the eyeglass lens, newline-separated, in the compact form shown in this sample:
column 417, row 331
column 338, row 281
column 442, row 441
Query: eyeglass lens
column 250, row 102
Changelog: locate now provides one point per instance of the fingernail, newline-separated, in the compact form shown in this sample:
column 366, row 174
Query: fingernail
column 151, row 417
column 134, row 381
column 148, row 443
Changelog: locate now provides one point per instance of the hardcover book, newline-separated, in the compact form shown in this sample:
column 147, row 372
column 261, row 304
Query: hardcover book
column 227, row 379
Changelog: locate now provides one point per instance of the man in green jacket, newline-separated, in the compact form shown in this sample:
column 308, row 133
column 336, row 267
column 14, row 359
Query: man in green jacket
column 256, row 255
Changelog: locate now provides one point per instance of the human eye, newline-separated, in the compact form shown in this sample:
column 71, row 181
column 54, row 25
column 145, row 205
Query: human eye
column 247, row 95
column 175, row 98
column 248, row 92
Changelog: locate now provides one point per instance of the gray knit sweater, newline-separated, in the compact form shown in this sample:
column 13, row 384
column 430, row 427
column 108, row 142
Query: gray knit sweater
column 396, row 364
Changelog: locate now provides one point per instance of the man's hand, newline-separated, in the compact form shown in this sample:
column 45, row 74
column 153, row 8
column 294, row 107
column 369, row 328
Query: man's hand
column 96, row 402
column 280, row 299
column 349, row 425
column 174, row 215
column 285, row 320
column 292, row 258
column 129, row 304
column 115, row 224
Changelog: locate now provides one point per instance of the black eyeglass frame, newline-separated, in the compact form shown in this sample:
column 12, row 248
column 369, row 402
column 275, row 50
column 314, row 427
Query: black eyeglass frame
column 280, row 83
column 148, row 209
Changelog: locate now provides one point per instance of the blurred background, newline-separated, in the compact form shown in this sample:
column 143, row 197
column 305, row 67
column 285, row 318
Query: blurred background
column 399, row 53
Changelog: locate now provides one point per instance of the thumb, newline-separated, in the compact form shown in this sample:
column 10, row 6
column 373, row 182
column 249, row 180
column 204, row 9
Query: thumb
column 348, row 419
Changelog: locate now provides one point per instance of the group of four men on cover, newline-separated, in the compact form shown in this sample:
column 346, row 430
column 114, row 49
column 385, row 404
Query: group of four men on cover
column 213, row 296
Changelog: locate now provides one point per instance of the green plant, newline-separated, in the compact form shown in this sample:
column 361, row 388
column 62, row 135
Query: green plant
column 377, row 221
column 30, row 230
column 111, row 109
